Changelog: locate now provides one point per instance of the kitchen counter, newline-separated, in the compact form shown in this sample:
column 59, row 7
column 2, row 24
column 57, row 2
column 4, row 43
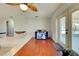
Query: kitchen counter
column 10, row 45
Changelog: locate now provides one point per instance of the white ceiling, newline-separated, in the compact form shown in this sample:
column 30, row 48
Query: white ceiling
column 45, row 10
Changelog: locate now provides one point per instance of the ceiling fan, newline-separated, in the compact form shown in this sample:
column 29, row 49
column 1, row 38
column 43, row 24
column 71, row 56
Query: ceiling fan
column 24, row 6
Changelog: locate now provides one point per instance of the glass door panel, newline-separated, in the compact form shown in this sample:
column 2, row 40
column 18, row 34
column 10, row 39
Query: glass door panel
column 62, row 30
column 75, row 31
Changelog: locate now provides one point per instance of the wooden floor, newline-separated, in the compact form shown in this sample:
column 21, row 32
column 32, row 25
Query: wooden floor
column 38, row 48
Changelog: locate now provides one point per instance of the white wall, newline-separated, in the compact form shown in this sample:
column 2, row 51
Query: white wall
column 31, row 25
column 59, row 11
column 2, row 24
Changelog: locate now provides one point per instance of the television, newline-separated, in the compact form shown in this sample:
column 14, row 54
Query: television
column 41, row 34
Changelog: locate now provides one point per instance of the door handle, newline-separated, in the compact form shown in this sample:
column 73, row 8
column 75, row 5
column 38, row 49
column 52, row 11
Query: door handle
column 66, row 31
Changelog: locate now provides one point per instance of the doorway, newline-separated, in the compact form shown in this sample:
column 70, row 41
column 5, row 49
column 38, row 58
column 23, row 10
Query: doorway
column 10, row 27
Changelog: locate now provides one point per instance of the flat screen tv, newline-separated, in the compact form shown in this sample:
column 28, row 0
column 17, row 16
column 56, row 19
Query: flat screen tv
column 41, row 35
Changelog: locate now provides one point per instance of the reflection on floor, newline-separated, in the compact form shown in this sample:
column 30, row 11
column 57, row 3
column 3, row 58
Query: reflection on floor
column 38, row 48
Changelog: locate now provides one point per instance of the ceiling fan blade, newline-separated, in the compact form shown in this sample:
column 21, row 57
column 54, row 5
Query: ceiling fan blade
column 13, row 4
column 32, row 7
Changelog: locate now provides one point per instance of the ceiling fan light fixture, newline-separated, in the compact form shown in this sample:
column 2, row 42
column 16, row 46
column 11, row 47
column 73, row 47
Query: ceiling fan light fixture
column 23, row 7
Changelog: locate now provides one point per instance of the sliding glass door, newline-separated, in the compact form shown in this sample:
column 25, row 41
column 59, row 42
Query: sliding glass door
column 68, row 28
column 75, row 31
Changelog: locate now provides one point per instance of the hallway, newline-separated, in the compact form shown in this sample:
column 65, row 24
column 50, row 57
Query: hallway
column 38, row 48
